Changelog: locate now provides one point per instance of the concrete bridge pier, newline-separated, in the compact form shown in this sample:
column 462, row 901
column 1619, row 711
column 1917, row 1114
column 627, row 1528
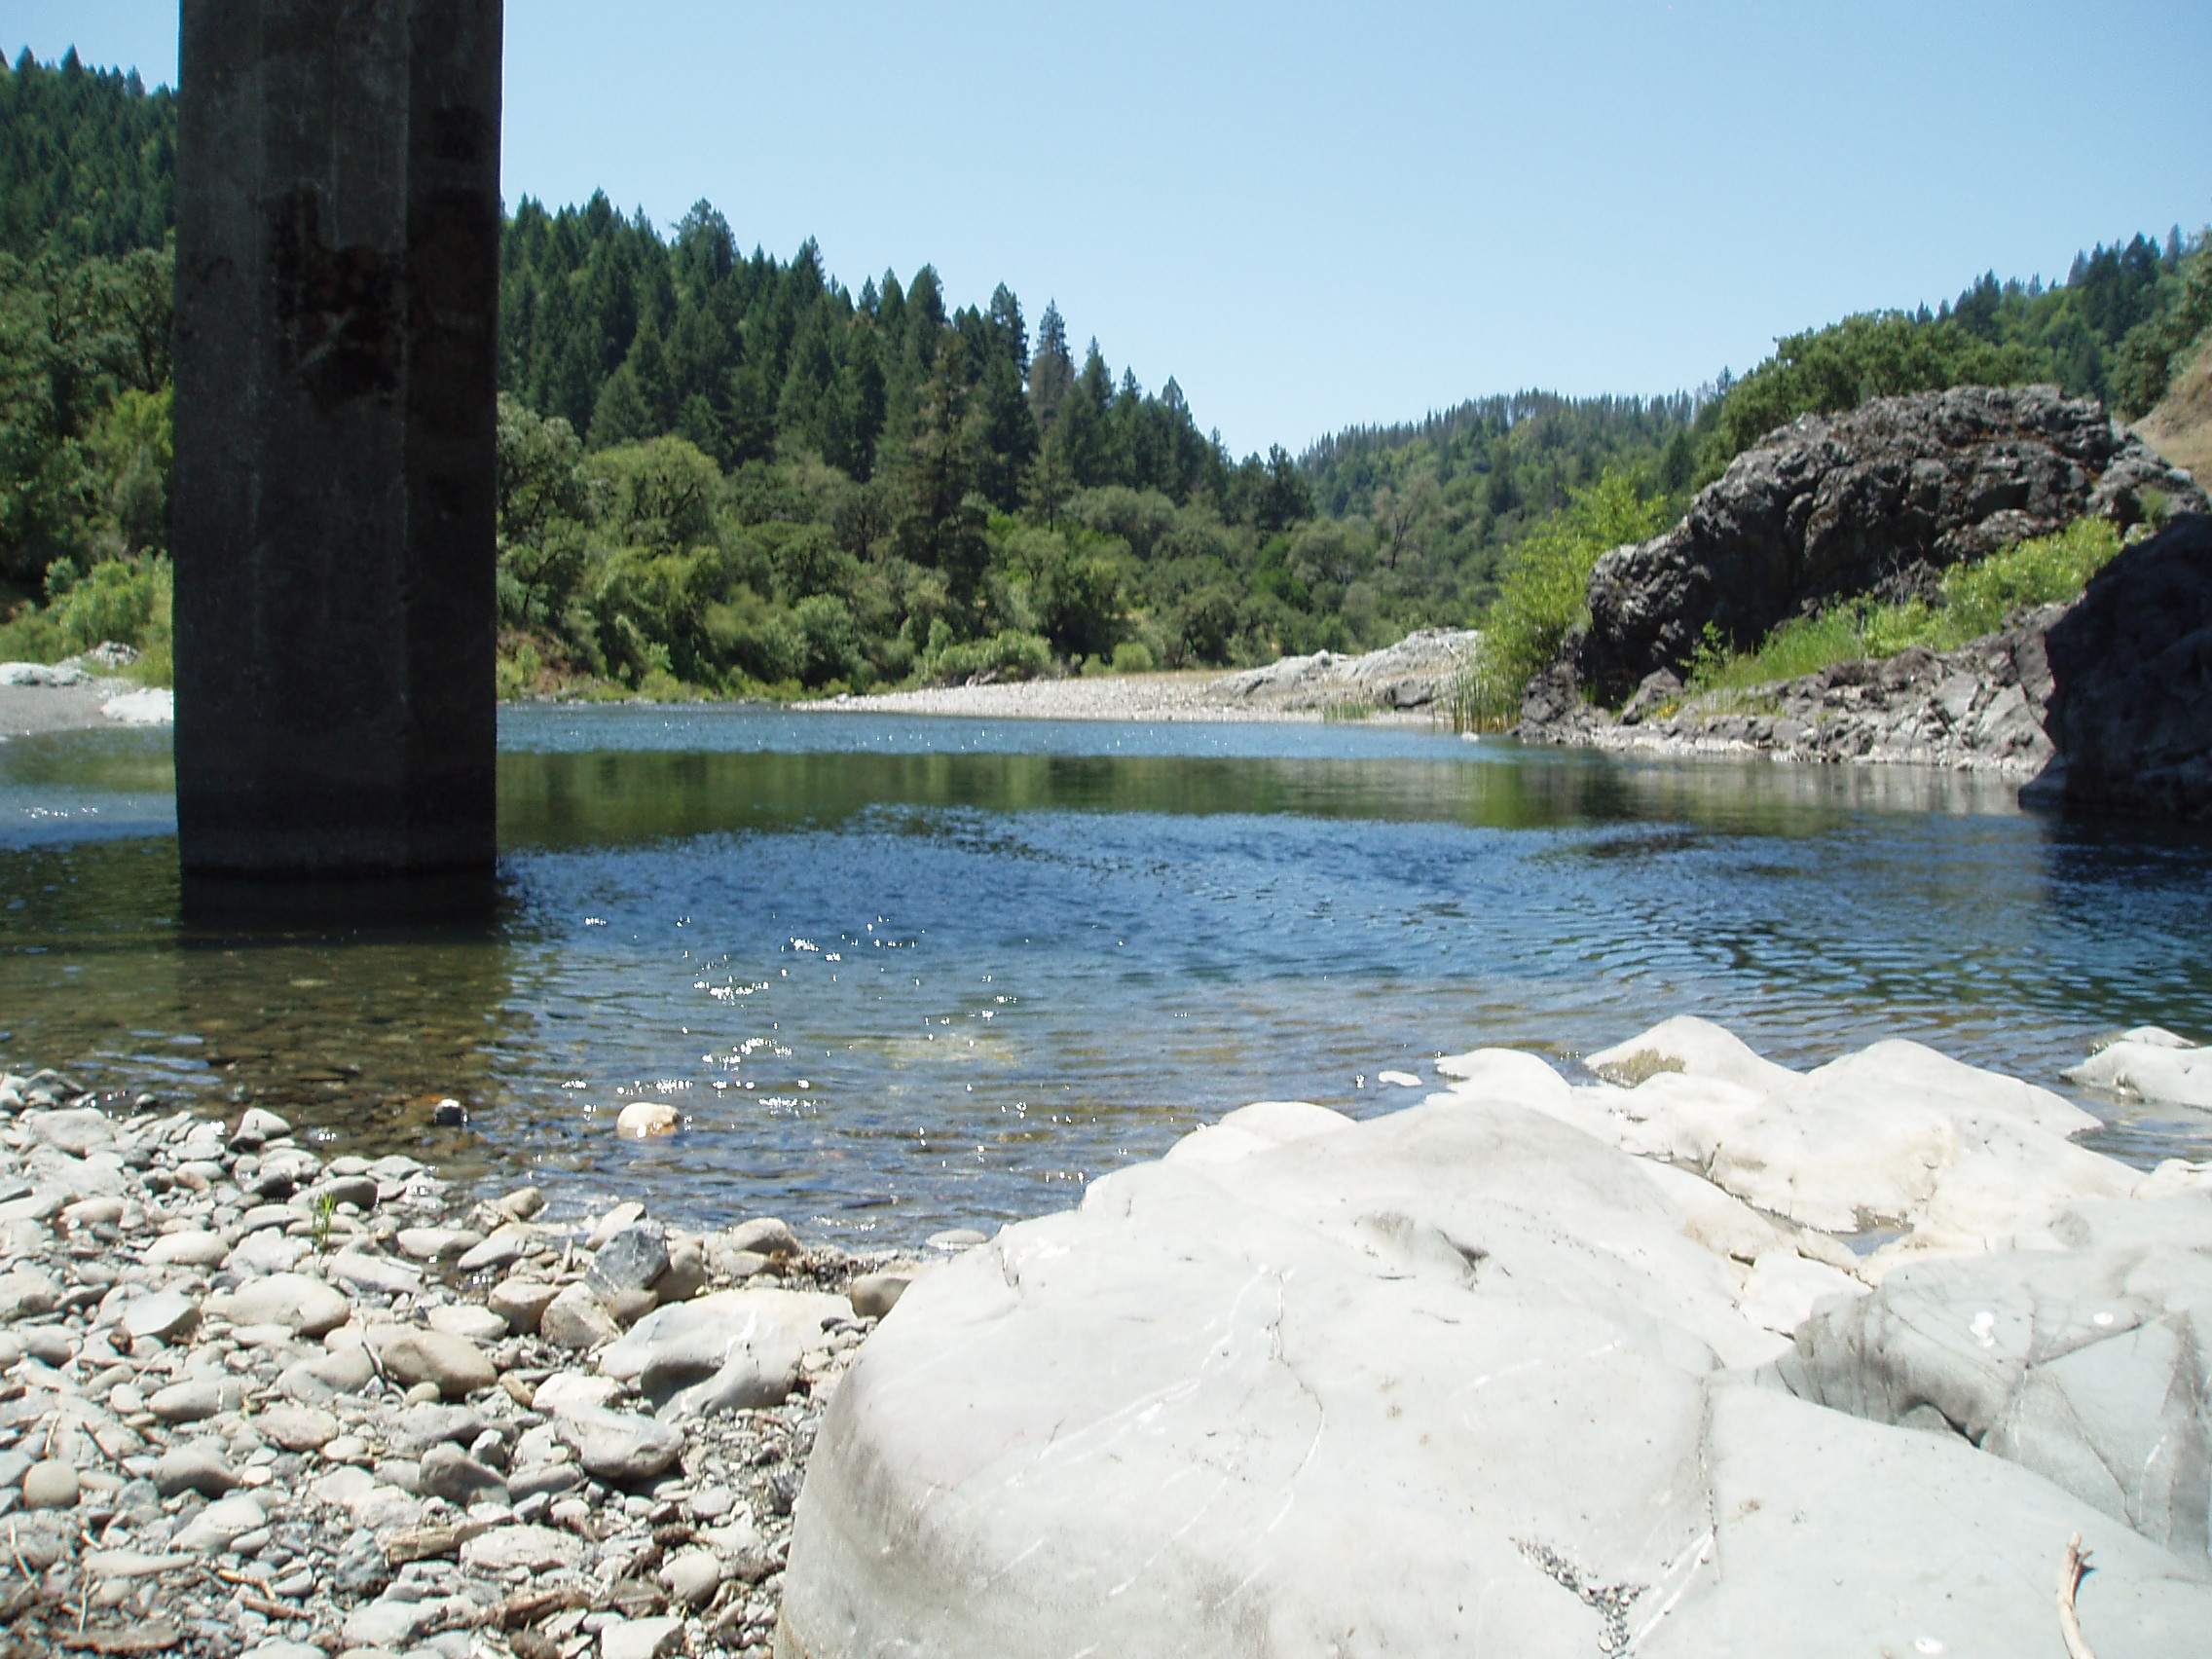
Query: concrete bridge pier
column 338, row 227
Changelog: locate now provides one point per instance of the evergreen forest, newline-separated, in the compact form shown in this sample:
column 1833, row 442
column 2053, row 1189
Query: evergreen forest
column 730, row 473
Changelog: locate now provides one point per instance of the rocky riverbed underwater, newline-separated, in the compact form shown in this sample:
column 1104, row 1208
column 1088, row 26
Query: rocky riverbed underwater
column 1702, row 1356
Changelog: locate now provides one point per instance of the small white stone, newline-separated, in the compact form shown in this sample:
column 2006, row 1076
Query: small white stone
column 215, row 1527
column 536, row 1549
column 643, row 1119
column 190, row 1248
column 639, row 1639
column 467, row 1320
column 51, row 1484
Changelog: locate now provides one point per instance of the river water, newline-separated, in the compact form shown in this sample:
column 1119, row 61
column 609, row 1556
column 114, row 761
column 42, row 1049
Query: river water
column 908, row 974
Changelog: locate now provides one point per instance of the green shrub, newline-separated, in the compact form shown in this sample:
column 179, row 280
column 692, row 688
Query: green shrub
column 515, row 672
column 832, row 644
column 31, row 635
column 1133, row 657
column 1803, row 644
column 1006, row 656
column 1826, row 371
column 1543, row 592
column 758, row 639
column 124, row 600
column 2043, row 571
column 154, row 665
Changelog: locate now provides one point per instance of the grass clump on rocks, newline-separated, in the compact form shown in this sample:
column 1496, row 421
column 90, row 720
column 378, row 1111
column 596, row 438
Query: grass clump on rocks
column 1975, row 600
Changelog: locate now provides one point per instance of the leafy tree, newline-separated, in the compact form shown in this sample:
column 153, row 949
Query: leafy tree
column 2160, row 346
column 1830, row 370
column 86, row 161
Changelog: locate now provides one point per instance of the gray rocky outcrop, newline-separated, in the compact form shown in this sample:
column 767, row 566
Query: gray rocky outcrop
column 2131, row 664
column 1412, row 673
column 1978, row 707
column 1879, row 501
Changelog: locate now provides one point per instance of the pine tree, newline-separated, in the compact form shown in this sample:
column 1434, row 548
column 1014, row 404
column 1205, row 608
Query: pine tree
column 620, row 416
column 939, row 522
column 1006, row 322
column 1052, row 370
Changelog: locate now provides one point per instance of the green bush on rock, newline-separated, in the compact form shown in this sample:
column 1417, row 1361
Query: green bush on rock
column 1977, row 598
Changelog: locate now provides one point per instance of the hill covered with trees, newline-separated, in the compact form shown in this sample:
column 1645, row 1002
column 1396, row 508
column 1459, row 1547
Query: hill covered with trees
column 733, row 472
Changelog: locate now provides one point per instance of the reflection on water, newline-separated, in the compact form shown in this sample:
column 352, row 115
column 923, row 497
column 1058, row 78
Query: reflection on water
column 904, row 973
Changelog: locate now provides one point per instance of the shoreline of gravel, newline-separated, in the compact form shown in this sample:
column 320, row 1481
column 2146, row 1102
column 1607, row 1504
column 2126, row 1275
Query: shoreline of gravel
column 257, row 1402
column 34, row 710
column 1165, row 698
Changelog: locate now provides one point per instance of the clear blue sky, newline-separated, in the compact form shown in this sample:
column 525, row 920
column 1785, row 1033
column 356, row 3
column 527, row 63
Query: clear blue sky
column 1320, row 215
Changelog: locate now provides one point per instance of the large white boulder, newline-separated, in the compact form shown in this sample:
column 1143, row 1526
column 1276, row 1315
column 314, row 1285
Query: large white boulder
column 1461, row 1378
column 1181, row 1423
column 1839, row 1539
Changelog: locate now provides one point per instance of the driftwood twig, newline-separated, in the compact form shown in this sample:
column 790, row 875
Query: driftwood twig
column 2073, row 1568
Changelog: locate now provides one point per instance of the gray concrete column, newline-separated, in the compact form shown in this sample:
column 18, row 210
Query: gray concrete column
column 338, row 227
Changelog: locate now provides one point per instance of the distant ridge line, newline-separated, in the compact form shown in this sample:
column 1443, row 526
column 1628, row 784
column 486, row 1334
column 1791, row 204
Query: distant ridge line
column 1500, row 412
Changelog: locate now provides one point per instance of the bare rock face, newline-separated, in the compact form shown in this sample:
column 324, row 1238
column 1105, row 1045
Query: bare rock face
column 2132, row 665
column 1879, row 501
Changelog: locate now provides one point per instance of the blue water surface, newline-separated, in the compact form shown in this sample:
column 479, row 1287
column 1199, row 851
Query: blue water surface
column 908, row 973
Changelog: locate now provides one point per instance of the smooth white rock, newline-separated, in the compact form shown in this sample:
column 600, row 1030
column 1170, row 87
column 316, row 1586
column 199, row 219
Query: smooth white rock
column 1421, row 1378
column 574, row 1320
column 187, row 1249
column 298, row 1302
column 536, row 1549
column 641, row 1638
column 1260, row 1127
column 2161, row 1071
column 1785, row 1289
column 156, row 705
column 748, row 1342
column 165, row 1315
column 2078, row 1356
column 213, row 1528
column 373, row 1273
column 567, row 1391
column 467, row 1320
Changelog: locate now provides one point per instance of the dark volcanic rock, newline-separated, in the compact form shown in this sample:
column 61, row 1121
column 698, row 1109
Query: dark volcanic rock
column 2131, row 705
column 1879, row 501
column 1979, row 708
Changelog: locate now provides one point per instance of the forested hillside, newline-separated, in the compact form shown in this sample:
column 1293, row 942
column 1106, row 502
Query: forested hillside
column 88, row 160
column 733, row 472
column 1476, row 477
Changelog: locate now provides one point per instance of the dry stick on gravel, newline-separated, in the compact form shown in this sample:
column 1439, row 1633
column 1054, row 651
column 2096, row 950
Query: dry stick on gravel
column 249, row 1595
column 528, row 1606
column 2073, row 1568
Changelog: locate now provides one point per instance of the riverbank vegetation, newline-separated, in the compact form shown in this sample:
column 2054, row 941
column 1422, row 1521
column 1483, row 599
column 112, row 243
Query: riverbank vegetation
column 730, row 473
column 1975, row 600
column 1542, row 595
